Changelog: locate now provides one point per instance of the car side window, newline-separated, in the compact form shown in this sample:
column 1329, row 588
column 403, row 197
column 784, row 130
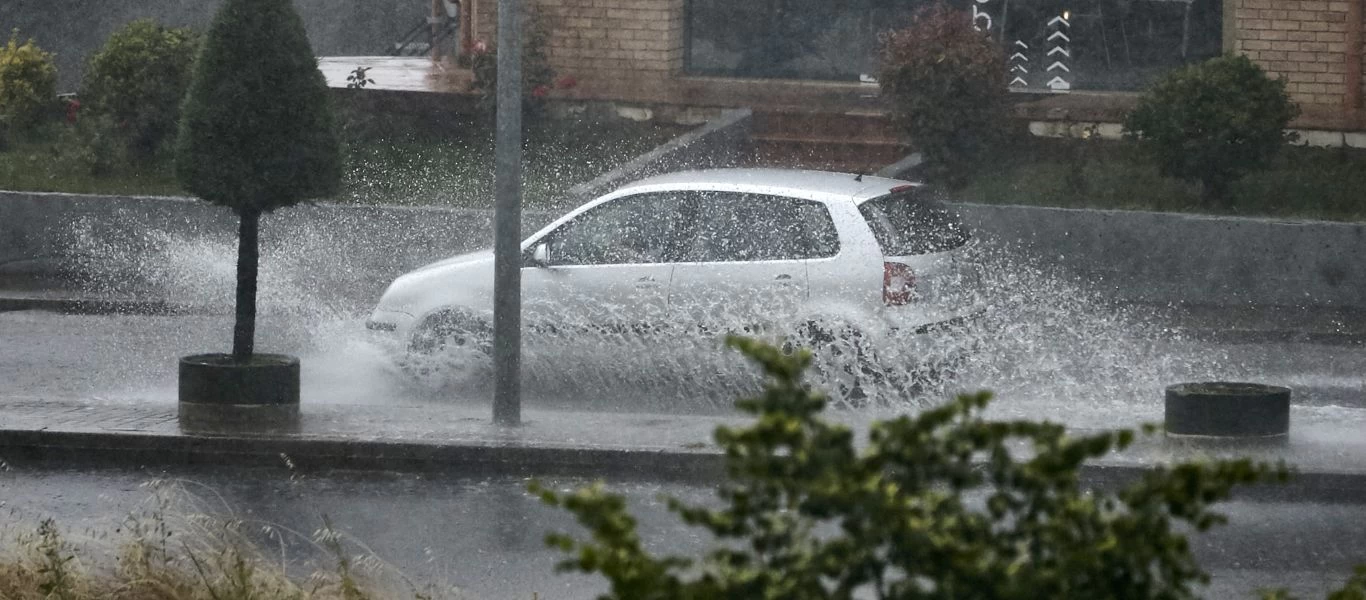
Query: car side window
column 635, row 229
column 736, row 227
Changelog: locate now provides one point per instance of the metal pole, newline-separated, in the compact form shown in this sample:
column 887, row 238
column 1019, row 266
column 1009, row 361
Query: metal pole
column 507, row 220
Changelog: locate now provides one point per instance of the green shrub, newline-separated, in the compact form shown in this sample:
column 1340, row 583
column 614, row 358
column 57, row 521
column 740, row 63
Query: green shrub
column 1213, row 122
column 946, row 84
column 139, row 79
column 944, row 504
column 28, row 84
column 257, row 132
column 95, row 145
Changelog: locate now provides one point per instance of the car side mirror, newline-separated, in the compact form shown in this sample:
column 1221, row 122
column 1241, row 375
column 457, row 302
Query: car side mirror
column 540, row 255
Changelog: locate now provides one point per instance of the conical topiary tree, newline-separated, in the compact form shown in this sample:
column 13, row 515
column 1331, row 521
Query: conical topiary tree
column 256, row 132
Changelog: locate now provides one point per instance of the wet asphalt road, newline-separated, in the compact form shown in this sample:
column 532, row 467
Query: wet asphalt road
column 485, row 536
column 134, row 358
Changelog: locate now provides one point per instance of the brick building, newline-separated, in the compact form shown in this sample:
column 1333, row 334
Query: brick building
column 1316, row 45
column 716, row 53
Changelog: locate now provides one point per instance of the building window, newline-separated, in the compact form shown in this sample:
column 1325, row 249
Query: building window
column 1106, row 44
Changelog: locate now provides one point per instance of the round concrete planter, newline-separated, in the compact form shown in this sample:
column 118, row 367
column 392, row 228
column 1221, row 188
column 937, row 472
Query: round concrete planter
column 218, row 393
column 1228, row 411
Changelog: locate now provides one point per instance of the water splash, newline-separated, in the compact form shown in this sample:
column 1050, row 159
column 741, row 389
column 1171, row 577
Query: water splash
column 1050, row 344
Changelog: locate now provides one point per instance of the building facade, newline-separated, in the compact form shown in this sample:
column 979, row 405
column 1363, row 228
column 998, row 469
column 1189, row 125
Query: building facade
column 822, row 53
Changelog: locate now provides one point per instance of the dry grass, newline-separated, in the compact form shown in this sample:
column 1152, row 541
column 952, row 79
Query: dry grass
column 165, row 552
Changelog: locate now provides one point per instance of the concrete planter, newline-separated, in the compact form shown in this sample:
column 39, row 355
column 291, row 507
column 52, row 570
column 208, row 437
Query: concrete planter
column 1227, row 411
column 218, row 393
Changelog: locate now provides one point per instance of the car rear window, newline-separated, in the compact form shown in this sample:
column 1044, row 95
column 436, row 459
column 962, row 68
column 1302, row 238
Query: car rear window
column 914, row 221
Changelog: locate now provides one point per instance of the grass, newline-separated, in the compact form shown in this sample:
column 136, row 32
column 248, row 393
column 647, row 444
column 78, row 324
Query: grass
column 164, row 553
column 456, row 169
column 1303, row 183
column 393, row 162
column 52, row 160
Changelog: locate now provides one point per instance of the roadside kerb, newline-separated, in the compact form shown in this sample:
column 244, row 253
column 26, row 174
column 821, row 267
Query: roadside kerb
column 663, row 448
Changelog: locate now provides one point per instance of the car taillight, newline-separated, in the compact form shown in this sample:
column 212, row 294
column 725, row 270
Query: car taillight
column 898, row 284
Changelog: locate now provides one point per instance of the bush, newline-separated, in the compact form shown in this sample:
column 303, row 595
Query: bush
column 944, row 504
column 1213, row 122
column 946, row 83
column 538, row 77
column 138, row 79
column 94, row 145
column 28, row 84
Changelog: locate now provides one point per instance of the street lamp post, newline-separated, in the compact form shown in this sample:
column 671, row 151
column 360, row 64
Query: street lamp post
column 507, row 277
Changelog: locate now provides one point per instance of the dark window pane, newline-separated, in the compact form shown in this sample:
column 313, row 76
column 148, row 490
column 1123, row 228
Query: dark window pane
column 631, row 230
column 1111, row 44
column 749, row 227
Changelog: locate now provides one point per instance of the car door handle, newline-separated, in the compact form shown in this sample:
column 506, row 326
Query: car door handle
column 647, row 282
column 784, row 277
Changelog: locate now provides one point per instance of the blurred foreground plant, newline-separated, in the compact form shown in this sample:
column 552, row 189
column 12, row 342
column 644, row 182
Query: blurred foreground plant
column 943, row 504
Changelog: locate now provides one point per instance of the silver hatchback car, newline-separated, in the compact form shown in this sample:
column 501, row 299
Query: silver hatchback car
column 824, row 255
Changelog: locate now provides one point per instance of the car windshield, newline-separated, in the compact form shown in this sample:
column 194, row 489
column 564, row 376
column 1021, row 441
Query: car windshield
column 914, row 221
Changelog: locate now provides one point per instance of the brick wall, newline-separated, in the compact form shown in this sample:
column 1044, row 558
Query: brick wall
column 616, row 49
column 1303, row 41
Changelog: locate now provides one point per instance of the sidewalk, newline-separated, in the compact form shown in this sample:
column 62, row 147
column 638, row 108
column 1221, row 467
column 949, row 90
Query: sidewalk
column 462, row 440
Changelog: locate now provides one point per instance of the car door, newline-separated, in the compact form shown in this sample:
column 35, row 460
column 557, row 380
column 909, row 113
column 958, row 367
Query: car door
column 743, row 266
column 606, row 269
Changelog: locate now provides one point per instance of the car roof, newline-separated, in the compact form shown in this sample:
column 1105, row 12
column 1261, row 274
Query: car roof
column 823, row 185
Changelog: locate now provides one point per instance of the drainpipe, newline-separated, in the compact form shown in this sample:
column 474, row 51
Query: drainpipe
column 1351, row 100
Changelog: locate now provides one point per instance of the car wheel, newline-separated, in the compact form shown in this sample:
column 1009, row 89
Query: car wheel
column 449, row 330
column 447, row 343
column 838, row 361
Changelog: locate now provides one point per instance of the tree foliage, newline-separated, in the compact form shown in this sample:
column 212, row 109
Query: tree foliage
column 943, row 504
column 1212, row 122
column 28, row 83
column 257, row 132
column 138, row 79
column 946, row 83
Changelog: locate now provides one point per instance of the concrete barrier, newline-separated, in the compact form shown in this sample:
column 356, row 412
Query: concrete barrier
column 1165, row 257
column 173, row 245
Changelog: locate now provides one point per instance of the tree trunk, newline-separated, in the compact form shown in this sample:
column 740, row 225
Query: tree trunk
column 248, row 255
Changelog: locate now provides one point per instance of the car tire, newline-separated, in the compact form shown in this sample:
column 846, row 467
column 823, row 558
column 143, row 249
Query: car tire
column 450, row 329
column 839, row 363
column 433, row 354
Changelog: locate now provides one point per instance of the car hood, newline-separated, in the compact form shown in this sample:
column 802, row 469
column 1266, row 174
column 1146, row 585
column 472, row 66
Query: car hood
column 463, row 260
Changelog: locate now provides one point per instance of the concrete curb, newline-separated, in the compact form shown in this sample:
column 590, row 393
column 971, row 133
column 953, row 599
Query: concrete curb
column 96, row 449
column 93, row 450
column 93, row 306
